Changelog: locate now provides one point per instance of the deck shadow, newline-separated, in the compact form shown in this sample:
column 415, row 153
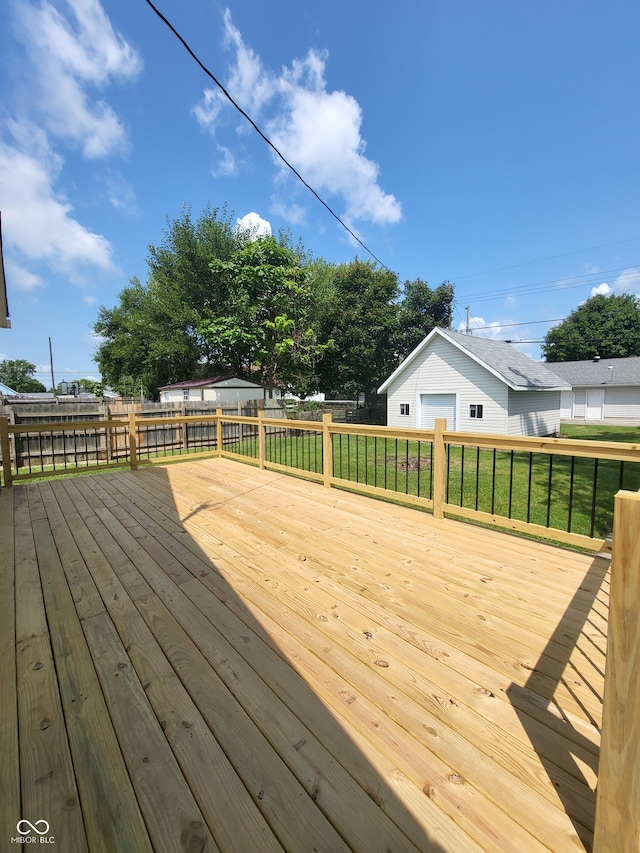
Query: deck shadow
column 554, row 667
column 203, row 674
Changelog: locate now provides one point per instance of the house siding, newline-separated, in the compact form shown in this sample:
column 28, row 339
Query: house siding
column 534, row 412
column 444, row 369
column 622, row 402
column 227, row 391
column 566, row 404
column 175, row 396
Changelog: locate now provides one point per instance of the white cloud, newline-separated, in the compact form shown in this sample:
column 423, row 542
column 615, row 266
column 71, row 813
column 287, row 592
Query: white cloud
column 294, row 213
column 20, row 278
column 252, row 226
column 493, row 329
column 37, row 220
column 601, row 290
column 628, row 281
column 227, row 164
column 317, row 131
column 121, row 194
column 72, row 57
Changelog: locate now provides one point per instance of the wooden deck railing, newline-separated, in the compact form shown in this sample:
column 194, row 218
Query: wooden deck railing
column 617, row 826
column 441, row 470
column 559, row 489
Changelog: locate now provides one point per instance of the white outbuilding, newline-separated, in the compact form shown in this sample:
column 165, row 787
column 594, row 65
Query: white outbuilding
column 477, row 384
column 216, row 389
column 601, row 388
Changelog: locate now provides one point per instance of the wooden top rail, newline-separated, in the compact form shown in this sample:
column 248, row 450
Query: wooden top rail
column 174, row 419
column 555, row 446
column 65, row 426
column 382, row 431
column 286, row 423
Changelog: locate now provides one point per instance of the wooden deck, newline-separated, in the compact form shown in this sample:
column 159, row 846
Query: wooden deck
column 205, row 656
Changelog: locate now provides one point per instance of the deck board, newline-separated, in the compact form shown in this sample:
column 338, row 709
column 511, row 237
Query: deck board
column 255, row 662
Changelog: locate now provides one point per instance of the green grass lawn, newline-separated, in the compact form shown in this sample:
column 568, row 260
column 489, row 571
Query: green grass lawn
column 602, row 432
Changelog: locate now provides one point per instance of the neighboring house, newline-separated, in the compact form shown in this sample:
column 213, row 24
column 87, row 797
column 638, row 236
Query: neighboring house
column 6, row 391
column 5, row 322
column 600, row 388
column 219, row 389
column 477, row 384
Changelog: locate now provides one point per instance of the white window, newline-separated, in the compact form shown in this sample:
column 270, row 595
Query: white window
column 404, row 408
column 476, row 410
column 185, row 395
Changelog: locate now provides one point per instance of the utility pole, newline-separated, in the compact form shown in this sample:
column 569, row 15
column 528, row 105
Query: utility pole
column 53, row 381
column 468, row 331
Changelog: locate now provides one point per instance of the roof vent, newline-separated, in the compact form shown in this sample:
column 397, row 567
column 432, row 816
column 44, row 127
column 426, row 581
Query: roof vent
column 596, row 358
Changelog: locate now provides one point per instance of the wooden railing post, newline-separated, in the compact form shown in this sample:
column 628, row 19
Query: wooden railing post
column 439, row 468
column 5, row 451
column 133, row 442
column 327, row 450
column 617, row 824
column 219, row 431
column 262, row 439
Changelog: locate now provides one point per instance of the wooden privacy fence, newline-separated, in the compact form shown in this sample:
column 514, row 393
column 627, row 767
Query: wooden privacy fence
column 559, row 489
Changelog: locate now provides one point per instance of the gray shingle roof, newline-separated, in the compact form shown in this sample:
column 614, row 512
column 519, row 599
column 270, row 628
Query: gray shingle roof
column 514, row 367
column 580, row 374
column 510, row 365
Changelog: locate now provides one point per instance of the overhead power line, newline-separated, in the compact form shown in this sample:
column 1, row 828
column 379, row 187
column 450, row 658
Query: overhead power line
column 508, row 325
column 260, row 133
column 550, row 258
column 589, row 279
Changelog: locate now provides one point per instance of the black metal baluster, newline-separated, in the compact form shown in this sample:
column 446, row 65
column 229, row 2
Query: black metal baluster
column 529, row 487
column 510, row 484
column 549, row 489
column 573, row 467
column 493, row 483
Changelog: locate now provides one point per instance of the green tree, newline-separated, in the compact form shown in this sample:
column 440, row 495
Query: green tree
column 362, row 324
column 421, row 310
column 92, row 386
column 608, row 326
column 260, row 322
column 150, row 338
column 18, row 375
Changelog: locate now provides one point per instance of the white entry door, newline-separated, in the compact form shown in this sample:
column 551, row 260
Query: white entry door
column 595, row 404
column 434, row 406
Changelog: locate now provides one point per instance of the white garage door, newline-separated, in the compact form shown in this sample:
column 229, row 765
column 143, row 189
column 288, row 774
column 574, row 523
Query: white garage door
column 434, row 406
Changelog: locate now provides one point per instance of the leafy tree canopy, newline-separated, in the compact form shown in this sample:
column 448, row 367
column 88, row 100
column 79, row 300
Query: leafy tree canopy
column 608, row 326
column 149, row 339
column 362, row 324
column 216, row 301
column 421, row 310
column 260, row 325
column 18, row 375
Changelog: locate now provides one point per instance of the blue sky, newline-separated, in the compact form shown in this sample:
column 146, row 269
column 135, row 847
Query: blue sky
column 494, row 145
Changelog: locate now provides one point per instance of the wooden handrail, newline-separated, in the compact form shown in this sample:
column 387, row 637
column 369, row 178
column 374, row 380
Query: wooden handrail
column 440, row 439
